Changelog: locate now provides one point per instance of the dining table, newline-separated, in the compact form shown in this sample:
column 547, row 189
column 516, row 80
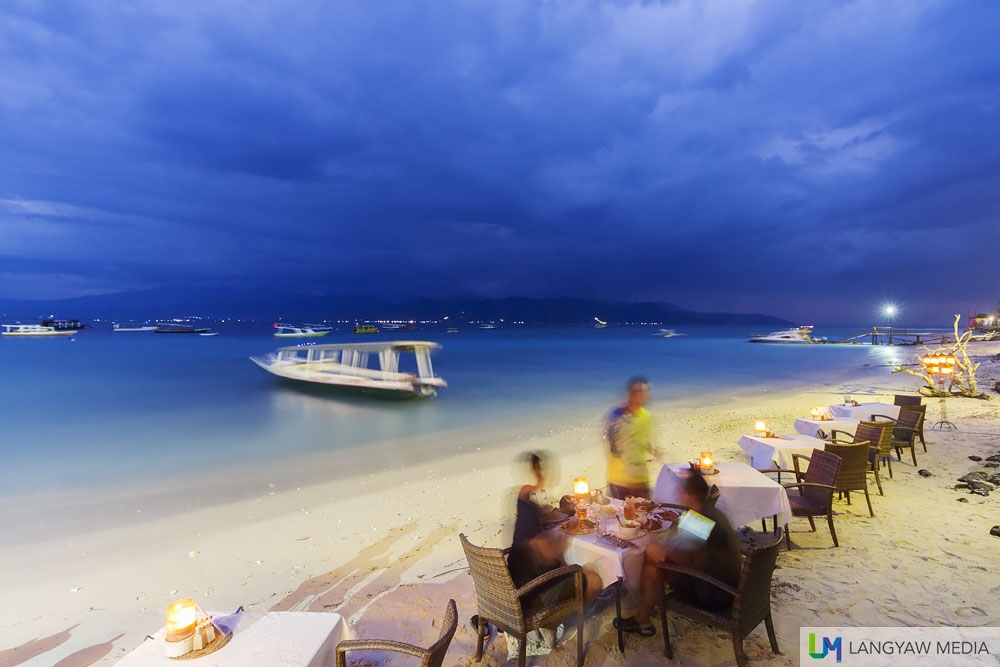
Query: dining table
column 812, row 427
column 618, row 566
column 747, row 495
column 863, row 411
column 777, row 450
column 260, row 638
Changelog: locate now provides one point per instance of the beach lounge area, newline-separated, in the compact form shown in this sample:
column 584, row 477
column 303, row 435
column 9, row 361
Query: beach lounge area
column 301, row 571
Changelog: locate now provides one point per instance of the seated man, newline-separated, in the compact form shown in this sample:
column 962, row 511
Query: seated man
column 536, row 551
column 717, row 555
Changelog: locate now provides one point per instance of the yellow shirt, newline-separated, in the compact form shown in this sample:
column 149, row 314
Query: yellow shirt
column 629, row 437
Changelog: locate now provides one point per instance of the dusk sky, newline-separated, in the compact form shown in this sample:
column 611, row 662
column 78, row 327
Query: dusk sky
column 803, row 159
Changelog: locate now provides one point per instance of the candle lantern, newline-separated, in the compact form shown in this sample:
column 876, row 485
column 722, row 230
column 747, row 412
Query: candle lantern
column 707, row 463
column 817, row 413
column 760, row 428
column 582, row 491
column 188, row 629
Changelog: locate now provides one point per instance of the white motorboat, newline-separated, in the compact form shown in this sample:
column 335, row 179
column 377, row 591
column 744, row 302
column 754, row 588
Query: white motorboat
column 131, row 327
column 487, row 325
column 397, row 327
column 346, row 366
column 669, row 333
column 34, row 330
column 300, row 331
column 799, row 336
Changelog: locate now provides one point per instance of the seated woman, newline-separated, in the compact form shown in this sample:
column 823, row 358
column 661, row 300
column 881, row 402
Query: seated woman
column 536, row 551
column 717, row 555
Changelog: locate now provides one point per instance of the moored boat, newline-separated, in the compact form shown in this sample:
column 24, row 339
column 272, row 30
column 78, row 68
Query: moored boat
column 346, row 366
column 34, row 331
column 65, row 325
column 127, row 327
column 600, row 324
column 799, row 336
column 177, row 328
column 397, row 327
column 669, row 333
column 365, row 329
column 300, row 330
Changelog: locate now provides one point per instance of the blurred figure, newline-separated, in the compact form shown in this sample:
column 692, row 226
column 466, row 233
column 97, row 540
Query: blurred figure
column 717, row 555
column 536, row 551
column 628, row 430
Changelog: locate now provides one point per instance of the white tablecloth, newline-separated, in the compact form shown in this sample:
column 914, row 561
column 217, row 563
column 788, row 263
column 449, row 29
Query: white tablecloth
column 260, row 639
column 609, row 561
column 812, row 427
column 863, row 411
column 764, row 452
column 747, row 495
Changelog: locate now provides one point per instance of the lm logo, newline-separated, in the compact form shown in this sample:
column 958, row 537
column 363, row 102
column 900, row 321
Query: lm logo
column 828, row 646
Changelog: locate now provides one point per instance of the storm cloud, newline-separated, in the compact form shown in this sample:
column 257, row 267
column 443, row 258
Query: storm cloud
column 810, row 160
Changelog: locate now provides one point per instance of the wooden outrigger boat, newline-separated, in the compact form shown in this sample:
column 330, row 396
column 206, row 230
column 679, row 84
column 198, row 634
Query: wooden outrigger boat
column 345, row 365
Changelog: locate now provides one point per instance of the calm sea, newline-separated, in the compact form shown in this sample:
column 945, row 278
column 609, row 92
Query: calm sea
column 111, row 406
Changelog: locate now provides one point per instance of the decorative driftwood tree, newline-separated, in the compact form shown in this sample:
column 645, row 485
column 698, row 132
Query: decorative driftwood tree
column 963, row 379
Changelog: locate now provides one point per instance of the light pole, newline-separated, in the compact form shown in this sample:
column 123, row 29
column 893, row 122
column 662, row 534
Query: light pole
column 889, row 311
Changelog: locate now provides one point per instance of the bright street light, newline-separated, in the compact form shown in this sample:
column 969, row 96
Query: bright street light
column 890, row 311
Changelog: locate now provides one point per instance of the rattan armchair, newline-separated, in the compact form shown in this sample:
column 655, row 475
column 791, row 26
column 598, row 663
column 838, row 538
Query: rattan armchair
column 878, row 436
column 853, row 472
column 904, row 431
column 751, row 600
column 430, row 657
column 816, row 487
column 922, row 409
column 501, row 603
column 905, row 399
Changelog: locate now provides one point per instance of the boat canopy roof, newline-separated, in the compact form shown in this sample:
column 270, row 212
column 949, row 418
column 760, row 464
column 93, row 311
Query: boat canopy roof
column 394, row 345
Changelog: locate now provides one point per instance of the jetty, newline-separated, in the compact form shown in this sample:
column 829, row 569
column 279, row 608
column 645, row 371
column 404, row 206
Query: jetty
column 898, row 336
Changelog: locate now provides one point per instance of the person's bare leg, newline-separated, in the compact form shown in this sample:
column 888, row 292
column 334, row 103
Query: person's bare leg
column 594, row 585
column 649, row 582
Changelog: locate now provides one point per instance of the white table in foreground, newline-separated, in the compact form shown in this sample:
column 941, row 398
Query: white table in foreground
column 863, row 411
column 765, row 452
column 812, row 427
column 747, row 495
column 260, row 639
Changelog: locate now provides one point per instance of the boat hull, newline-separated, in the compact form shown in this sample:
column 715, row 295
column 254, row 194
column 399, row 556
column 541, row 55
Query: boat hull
column 781, row 342
column 315, row 334
column 44, row 334
column 313, row 374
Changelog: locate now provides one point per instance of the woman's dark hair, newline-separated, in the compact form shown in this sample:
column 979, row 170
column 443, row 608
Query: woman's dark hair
column 695, row 485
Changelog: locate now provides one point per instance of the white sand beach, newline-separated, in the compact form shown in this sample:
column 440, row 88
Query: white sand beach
column 383, row 550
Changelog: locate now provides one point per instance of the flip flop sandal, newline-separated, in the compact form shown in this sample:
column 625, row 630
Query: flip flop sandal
column 474, row 624
column 630, row 625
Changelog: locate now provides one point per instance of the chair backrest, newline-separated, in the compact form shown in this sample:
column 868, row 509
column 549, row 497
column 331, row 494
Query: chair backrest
column 437, row 650
column 911, row 420
column 903, row 399
column 853, row 471
column 713, row 496
column 823, row 468
column 495, row 590
column 753, row 601
column 878, row 435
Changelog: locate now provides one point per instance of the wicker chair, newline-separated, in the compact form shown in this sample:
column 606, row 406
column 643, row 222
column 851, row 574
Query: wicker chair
column 904, row 431
column 922, row 409
column 751, row 600
column 816, row 487
column 430, row 657
column 501, row 603
column 878, row 436
column 904, row 399
column 853, row 472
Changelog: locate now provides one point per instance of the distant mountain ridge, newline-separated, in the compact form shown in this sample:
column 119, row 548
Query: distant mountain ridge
column 273, row 305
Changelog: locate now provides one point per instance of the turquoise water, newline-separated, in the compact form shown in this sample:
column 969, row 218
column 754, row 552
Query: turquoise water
column 105, row 407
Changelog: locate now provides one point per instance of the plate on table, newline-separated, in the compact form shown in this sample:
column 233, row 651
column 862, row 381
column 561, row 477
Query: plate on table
column 617, row 531
column 664, row 525
column 553, row 516
column 585, row 527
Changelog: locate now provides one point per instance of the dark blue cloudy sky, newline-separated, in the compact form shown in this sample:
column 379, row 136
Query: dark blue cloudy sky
column 808, row 159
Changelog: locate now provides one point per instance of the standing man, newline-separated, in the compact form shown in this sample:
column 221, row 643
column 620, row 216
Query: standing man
column 628, row 431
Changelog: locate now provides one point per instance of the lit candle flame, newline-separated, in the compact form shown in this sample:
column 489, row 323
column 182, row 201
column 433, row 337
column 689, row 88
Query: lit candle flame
column 580, row 486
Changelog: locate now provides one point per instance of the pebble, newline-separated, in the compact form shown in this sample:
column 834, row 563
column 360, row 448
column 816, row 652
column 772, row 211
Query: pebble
column 995, row 531
column 973, row 477
column 963, row 500
column 924, row 473
column 975, row 458
column 993, row 464
column 995, row 458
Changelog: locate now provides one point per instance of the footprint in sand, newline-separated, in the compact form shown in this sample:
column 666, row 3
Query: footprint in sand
column 967, row 613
